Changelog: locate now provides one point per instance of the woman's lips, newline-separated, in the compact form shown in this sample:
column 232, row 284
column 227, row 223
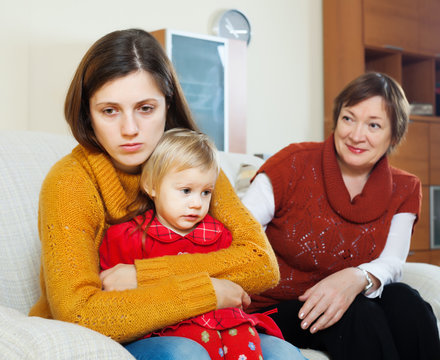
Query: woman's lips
column 131, row 147
column 355, row 150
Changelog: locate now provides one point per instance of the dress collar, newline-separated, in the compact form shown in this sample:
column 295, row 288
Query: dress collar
column 207, row 231
column 371, row 203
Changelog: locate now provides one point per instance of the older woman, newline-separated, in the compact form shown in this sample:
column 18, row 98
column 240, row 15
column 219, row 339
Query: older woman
column 123, row 96
column 340, row 220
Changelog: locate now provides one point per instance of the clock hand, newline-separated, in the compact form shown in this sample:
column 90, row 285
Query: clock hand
column 230, row 28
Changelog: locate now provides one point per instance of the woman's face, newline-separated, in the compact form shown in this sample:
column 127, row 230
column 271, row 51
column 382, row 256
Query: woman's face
column 128, row 118
column 362, row 135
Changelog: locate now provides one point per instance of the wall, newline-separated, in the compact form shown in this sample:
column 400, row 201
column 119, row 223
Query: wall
column 43, row 41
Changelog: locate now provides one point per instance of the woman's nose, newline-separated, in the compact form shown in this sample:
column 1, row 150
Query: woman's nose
column 358, row 132
column 129, row 126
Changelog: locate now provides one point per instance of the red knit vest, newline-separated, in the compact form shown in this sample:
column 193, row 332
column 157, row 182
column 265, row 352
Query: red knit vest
column 317, row 229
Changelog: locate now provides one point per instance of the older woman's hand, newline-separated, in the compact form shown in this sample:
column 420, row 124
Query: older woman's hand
column 119, row 277
column 230, row 294
column 327, row 301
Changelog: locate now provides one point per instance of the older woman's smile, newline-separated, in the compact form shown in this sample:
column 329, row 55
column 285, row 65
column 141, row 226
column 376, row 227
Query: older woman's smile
column 355, row 150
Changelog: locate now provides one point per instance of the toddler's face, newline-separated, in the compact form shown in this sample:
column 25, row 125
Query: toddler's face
column 184, row 198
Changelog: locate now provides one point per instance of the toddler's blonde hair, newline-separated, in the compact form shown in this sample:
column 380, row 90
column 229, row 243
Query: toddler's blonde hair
column 178, row 149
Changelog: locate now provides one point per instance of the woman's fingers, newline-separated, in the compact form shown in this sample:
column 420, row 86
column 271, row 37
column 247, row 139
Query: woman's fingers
column 326, row 302
column 314, row 306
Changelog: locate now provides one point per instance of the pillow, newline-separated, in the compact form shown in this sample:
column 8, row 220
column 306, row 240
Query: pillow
column 23, row 337
column 243, row 180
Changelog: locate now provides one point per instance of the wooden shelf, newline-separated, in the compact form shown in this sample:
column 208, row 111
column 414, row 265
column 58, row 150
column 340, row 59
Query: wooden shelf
column 422, row 118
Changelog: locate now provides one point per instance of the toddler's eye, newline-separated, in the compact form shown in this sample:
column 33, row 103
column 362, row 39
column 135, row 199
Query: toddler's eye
column 206, row 193
column 186, row 191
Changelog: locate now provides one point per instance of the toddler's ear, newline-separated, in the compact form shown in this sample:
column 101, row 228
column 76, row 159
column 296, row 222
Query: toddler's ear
column 150, row 192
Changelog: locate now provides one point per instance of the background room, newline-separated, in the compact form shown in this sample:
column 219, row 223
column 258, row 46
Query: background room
column 43, row 41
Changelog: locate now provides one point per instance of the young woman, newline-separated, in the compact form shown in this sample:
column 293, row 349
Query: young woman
column 123, row 96
column 340, row 220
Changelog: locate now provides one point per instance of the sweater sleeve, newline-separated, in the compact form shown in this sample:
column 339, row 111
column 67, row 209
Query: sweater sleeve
column 71, row 225
column 249, row 261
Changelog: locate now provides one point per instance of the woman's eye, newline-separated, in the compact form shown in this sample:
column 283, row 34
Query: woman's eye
column 109, row 111
column 146, row 108
column 346, row 118
column 375, row 125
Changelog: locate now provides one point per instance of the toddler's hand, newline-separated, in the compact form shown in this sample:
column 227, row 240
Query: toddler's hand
column 230, row 294
column 120, row 277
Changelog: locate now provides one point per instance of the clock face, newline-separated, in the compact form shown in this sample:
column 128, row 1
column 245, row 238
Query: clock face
column 234, row 25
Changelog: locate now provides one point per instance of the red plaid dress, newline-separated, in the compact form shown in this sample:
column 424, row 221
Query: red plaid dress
column 123, row 244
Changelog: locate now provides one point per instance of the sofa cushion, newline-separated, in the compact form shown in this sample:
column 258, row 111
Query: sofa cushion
column 23, row 337
column 25, row 159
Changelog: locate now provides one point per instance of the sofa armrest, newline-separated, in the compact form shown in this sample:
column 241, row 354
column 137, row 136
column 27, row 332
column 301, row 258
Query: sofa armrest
column 425, row 278
column 23, row 337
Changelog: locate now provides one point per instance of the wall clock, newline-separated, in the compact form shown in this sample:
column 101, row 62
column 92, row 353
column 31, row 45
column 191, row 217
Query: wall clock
column 233, row 24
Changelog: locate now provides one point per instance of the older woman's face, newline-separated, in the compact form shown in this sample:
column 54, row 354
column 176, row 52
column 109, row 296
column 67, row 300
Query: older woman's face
column 128, row 117
column 362, row 135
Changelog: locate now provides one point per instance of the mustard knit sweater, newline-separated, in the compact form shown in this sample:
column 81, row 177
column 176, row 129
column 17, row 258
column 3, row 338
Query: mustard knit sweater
column 82, row 193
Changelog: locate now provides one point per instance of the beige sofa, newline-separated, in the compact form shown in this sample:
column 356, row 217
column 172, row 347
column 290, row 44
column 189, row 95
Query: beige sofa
column 25, row 158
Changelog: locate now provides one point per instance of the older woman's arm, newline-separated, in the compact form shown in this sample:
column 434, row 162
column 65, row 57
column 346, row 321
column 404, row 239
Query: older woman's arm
column 259, row 199
column 387, row 268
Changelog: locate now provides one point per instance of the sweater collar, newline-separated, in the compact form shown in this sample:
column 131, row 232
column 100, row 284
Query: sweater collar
column 116, row 188
column 371, row 203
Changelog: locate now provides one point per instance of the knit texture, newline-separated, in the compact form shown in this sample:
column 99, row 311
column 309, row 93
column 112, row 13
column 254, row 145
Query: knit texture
column 317, row 229
column 80, row 196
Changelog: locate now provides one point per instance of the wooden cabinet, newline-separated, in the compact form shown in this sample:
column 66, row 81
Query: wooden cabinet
column 343, row 50
column 430, row 256
column 413, row 153
column 391, row 23
column 399, row 38
column 429, row 26
column 409, row 25
column 434, row 141
column 420, row 237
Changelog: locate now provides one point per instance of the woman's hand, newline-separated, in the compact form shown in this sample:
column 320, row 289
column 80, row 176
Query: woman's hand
column 229, row 294
column 328, row 300
column 119, row 277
